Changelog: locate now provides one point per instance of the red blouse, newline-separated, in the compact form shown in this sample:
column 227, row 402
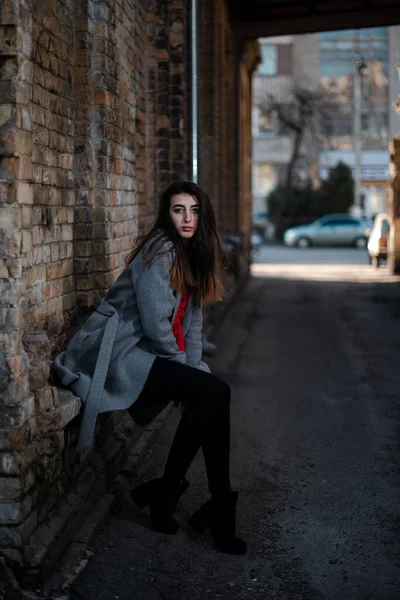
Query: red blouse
column 177, row 324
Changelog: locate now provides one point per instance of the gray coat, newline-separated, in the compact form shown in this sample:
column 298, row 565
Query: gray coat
column 108, row 360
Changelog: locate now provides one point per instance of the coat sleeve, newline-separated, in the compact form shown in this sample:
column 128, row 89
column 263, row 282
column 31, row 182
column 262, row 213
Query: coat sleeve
column 193, row 341
column 156, row 303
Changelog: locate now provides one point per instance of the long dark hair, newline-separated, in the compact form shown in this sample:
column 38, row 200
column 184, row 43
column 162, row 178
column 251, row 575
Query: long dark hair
column 199, row 260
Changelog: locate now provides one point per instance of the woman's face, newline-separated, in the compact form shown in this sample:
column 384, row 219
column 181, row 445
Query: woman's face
column 184, row 212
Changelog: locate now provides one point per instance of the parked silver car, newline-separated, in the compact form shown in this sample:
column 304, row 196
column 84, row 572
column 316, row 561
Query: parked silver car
column 331, row 230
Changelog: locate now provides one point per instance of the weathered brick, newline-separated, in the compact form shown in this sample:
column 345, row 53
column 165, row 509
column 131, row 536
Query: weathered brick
column 8, row 12
column 19, row 142
column 105, row 263
column 13, row 558
column 28, row 480
column 24, row 193
column 20, row 440
column 8, row 39
column 14, row 266
column 24, row 119
column 15, row 167
column 34, row 552
column 44, row 398
column 7, row 192
column 16, row 391
column 4, row 440
column 67, row 233
column 10, row 244
column 84, row 248
column 10, row 513
column 58, row 418
column 26, row 244
column 15, row 417
column 27, row 504
column 10, row 217
column 55, row 196
column 38, row 374
column 8, row 117
column 66, row 250
column 16, row 365
column 10, row 464
column 11, row 488
column 11, row 537
column 37, row 344
column 4, row 273
column 36, row 275
column 11, row 318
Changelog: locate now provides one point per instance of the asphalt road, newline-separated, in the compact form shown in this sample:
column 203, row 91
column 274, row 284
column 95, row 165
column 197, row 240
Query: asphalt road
column 312, row 354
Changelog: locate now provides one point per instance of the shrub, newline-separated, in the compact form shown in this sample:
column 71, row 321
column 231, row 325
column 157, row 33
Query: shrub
column 291, row 206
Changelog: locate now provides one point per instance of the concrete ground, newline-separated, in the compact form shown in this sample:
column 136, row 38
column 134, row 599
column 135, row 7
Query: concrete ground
column 312, row 353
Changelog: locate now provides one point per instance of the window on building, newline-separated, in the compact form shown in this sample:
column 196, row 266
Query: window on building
column 264, row 178
column 269, row 60
column 374, row 128
column 340, row 125
column 285, row 59
column 339, row 52
column 264, row 124
column 339, row 49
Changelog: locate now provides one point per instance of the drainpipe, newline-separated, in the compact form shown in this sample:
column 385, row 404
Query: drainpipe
column 194, row 44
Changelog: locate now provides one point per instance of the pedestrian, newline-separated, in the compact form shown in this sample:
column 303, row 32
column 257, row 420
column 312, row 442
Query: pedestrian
column 141, row 349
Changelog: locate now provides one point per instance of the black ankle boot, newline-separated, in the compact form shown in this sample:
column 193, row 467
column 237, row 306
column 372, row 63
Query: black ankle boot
column 161, row 498
column 219, row 516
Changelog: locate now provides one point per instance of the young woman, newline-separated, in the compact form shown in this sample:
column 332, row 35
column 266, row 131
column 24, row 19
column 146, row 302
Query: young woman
column 141, row 349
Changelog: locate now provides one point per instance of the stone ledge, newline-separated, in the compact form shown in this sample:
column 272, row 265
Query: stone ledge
column 50, row 539
column 73, row 558
column 67, row 406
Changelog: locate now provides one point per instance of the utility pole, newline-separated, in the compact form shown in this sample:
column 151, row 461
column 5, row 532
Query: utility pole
column 360, row 67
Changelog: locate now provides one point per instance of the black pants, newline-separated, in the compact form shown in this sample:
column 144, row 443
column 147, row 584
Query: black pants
column 204, row 424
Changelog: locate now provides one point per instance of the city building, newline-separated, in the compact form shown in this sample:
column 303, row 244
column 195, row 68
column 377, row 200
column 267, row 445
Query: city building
column 288, row 63
column 326, row 64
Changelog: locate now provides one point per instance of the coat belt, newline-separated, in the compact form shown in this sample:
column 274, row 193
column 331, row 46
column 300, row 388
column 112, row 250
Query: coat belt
column 97, row 384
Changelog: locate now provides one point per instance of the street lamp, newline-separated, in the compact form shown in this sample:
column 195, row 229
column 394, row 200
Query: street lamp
column 360, row 67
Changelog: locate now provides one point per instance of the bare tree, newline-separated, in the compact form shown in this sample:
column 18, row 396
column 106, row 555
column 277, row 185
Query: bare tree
column 301, row 115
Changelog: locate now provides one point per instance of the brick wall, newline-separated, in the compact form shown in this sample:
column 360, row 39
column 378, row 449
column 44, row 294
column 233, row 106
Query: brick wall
column 92, row 128
column 226, row 67
column 217, row 172
column 17, row 420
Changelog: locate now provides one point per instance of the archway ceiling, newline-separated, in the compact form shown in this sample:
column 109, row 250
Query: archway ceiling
column 257, row 18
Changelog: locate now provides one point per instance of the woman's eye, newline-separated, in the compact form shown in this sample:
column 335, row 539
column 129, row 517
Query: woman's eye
column 196, row 211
